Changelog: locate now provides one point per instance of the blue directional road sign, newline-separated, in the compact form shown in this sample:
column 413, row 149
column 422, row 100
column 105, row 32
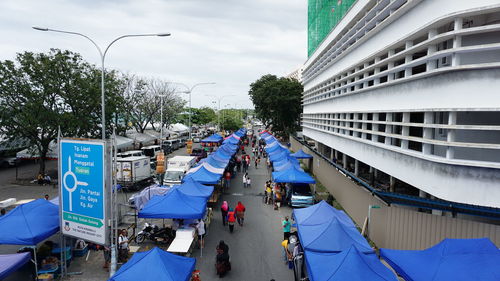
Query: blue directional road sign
column 81, row 189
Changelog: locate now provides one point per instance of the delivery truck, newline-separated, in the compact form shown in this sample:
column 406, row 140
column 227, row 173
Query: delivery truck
column 177, row 167
column 134, row 172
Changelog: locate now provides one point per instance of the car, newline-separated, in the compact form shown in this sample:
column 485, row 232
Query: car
column 196, row 140
column 8, row 162
column 302, row 195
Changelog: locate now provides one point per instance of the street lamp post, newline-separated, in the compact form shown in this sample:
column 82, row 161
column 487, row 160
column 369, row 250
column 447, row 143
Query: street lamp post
column 219, row 100
column 102, row 54
column 103, row 57
column 188, row 91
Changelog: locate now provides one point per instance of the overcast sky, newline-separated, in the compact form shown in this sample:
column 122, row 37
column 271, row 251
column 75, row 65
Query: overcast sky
column 230, row 42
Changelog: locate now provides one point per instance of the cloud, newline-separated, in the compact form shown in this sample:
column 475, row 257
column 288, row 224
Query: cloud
column 230, row 42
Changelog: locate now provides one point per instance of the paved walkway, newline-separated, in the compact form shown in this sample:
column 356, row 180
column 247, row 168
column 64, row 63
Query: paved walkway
column 255, row 248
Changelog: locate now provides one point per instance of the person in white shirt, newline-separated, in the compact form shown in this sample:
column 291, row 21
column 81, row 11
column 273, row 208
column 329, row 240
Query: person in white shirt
column 123, row 246
column 249, row 182
column 200, row 227
column 245, row 180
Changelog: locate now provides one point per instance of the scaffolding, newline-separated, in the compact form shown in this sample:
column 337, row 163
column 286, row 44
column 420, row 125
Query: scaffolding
column 322, row 17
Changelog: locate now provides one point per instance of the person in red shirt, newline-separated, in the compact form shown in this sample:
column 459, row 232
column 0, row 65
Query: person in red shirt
column 231, row 219
column 227, row 178
column 240, row 213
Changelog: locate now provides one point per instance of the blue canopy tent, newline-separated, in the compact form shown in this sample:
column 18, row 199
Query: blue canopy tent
column 320, row 213
column 203, row 176
column 222, row 154
column 270, row 139
column 30, row 223
column 213, row 138
column 228, row 149
column 274, row 148
column 191, row 187
column 350, row 265
column 233, row 139
column 273, row 157
column 301, row 155
column 292, row 175
column 174, row 205
column 241, row 132
column 12, row 262
column 322, row 228
column 214, row 162
column 285, row 163
column 155, row 265
column 451, row 259
column 217, row 157
column 332, row 237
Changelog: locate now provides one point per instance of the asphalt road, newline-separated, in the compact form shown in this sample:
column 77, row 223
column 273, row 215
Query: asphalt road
column 255, row 248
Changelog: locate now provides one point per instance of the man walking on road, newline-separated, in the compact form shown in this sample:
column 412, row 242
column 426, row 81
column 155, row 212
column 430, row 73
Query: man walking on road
column 286, row 228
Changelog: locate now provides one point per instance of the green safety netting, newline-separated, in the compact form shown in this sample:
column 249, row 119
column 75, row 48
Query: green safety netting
column 322, row 17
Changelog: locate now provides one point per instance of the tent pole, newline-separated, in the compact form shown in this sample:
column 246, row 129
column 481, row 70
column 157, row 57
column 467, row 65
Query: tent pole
column 61, row 243
column 36, row 265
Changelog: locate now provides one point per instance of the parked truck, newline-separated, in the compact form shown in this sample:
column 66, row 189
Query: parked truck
column 177, row 167
column 134, row 172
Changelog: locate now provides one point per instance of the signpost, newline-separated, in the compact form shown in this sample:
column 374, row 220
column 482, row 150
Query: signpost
column 82, row 189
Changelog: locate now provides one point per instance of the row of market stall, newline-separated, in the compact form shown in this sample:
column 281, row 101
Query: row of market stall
column 334, row 249
column 31, row 223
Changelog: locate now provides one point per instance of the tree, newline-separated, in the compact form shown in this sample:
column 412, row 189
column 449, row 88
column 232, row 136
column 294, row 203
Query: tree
column 143, row 100
column 277, row 102
column 230, row 119
column 41, row 93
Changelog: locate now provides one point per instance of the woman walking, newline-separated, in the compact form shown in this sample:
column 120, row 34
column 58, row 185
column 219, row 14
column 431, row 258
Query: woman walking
column 240, row 213
column 245, row 180
column 224, row 209
column 231, row 219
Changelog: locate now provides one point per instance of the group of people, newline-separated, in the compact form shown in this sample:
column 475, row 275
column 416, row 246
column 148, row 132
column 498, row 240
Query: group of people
column 43, row 179
column 276, row 194
column 230, row 216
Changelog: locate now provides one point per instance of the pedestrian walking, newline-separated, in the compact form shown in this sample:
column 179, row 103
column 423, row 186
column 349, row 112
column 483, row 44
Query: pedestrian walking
column 286, row 228
column 245, row 180
column 238, row 164
column 227, row 180
column 222, row 263
column 200, row 228
column 224, row 209
column 249, row 182
column 256, row 162
column 231, row 219
column 240, row 213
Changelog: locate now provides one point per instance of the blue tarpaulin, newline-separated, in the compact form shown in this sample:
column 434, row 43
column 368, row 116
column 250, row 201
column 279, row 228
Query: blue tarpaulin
column 191, row 187
column 174, row 205
column 301, row 155
column 203, row 176
column 12, row 262
column 274, row 148
column 213, row 138
column 222, row 154
column 233, row 139
column 319, row 213
column 292, row 175
column 327, row 230
column 221, row 163
column 229, row 149
column 30, row 223
column 451, row 259
column 156, row 265
column 273, row 157
column 350, row 265
column 286, row 164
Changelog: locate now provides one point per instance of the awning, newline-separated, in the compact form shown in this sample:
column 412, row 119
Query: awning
column 12, row 262
column 174, row 205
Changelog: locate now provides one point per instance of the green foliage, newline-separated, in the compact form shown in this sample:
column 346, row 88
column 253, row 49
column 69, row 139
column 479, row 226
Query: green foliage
column 201, row 116
column 231, row 119
column 277, row 102
column 41, row 93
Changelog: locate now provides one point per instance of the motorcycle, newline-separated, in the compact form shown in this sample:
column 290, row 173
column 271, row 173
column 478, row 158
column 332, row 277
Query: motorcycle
column 154, row 233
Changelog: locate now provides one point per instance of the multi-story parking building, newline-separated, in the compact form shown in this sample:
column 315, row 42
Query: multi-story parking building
column 405, row 96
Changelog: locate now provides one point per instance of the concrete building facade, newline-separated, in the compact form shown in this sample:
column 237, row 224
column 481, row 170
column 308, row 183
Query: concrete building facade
column 409, row 89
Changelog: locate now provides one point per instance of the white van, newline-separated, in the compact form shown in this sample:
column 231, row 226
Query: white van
column 177, row 167
column 130, row 153
column 151, row 151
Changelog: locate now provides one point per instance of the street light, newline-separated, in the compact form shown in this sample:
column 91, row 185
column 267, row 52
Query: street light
column 188, row 91
column 103, row 117
column 219, row 99
column 103, row 57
